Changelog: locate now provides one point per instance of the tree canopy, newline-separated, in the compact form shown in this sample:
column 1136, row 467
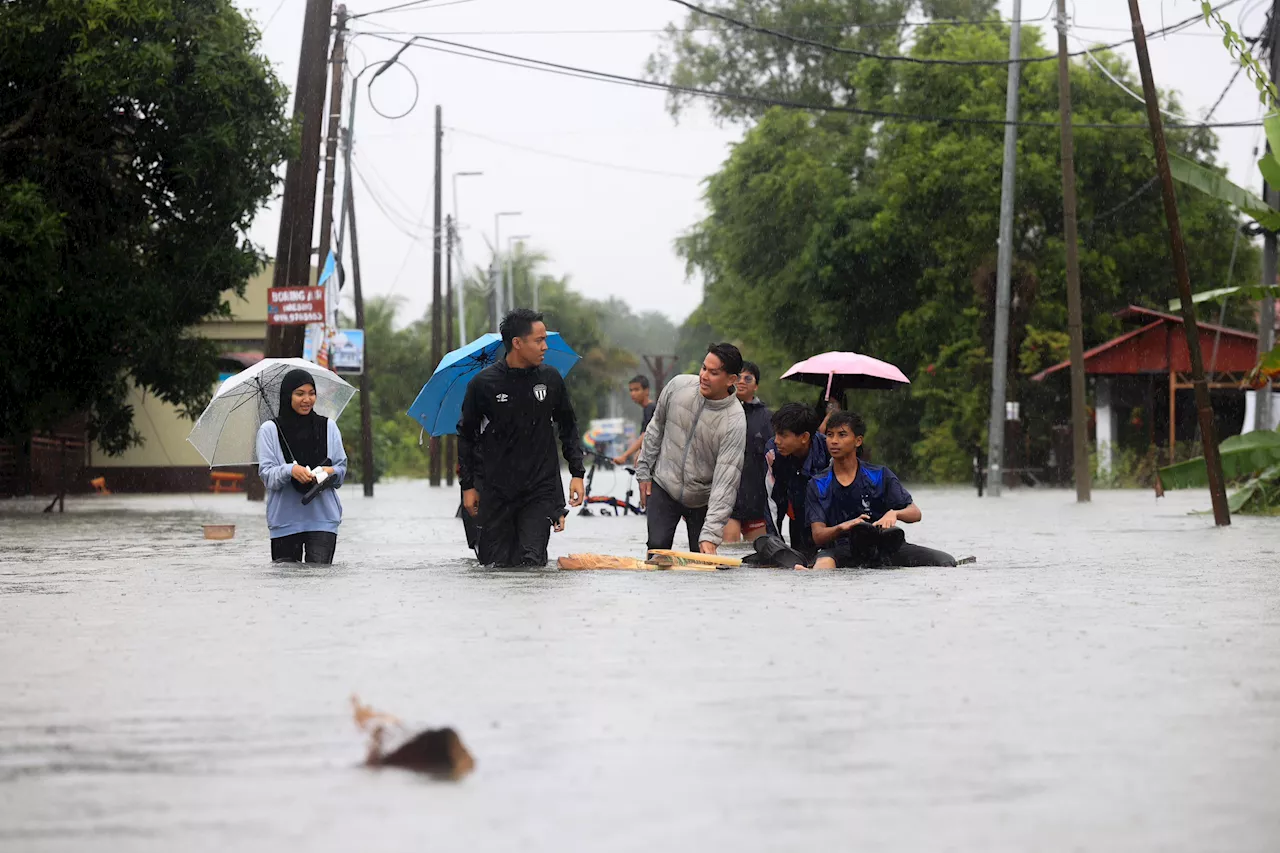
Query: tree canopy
column 137, row 140
column 829, row 231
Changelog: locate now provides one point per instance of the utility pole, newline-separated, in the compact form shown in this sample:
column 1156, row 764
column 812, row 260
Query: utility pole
column 437, row 321
column 453, row 235
column 338, row 66
column 1204, row 408
column 298, row 206
column 366, row 415
column 1267, row 306
column 448, row 327
column 660, row 366
column 495, row 296
column 1075, row 311
column 1004, row 261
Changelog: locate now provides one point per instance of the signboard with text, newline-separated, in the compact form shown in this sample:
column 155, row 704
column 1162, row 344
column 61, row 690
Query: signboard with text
column 295, row 306
column 347, row 352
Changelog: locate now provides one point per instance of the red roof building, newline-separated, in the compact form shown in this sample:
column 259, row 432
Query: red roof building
column 1150, row 365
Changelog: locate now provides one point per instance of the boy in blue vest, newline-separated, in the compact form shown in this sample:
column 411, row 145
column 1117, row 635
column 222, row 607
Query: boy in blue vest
column 853, row 508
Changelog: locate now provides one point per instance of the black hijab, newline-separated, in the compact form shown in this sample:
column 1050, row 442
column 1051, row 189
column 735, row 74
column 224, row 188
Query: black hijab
column 303, row 438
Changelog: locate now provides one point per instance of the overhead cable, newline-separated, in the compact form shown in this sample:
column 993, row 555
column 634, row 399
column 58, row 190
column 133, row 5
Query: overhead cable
column 527, row 63
column 598, row 163
column 917, row 60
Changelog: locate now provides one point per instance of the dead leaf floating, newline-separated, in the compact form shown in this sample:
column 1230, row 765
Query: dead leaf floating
column 438, row 752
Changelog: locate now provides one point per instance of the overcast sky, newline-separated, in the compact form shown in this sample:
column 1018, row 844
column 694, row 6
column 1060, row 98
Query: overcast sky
column 604, row 178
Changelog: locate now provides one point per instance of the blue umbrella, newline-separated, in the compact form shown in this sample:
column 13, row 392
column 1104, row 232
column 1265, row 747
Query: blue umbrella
column 439, row 403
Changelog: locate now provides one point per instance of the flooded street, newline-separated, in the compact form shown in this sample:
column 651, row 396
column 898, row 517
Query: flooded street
column 1105, row 677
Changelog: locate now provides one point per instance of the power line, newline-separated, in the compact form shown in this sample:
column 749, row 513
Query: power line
column 886, row 115
column 915, row 60
column 1106, row 214
column 1225, row 89
column 891, row 25
column 401, row 7
column 598, row 163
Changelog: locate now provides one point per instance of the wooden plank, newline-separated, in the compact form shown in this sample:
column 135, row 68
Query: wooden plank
column 596, row 562
column 693, row 557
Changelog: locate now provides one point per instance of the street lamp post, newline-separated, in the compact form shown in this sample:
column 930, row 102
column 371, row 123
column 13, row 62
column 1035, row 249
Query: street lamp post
column 497, row 260
column 511, row 272
column 462, row 285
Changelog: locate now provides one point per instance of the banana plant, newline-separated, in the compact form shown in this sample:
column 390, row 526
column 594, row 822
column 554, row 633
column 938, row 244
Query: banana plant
column 1254, row 455
column 1214, row 183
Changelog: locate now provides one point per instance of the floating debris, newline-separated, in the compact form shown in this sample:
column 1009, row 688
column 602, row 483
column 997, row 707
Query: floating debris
column 438, row 752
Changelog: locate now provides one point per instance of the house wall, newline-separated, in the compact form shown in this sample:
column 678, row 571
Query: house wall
column 166, row 461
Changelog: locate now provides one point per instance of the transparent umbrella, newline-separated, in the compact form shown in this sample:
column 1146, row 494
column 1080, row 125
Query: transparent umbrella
column 227, row 431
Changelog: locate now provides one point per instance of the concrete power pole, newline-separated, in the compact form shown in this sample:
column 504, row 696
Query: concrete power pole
column 1075, row 310
column 437, row 320
column 1267, row 307
column 298, row 206
column 448, row 329
column 338, row 66
column 1004, row 262
column 366, row 413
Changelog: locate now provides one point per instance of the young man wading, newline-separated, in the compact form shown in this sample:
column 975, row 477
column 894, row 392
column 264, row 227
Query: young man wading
column 693, row 450
column 510, row 417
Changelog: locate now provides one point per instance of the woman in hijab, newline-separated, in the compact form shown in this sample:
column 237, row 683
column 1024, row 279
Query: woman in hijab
column 291, row 448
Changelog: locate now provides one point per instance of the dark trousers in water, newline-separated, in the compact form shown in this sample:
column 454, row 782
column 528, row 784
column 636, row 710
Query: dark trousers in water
column 314, row 546
column 664, row 512
column 515, row 531
column 867, row 546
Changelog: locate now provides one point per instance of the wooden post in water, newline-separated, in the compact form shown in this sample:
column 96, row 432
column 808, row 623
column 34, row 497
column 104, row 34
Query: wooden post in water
column 1204, row 408
column 1075, row 310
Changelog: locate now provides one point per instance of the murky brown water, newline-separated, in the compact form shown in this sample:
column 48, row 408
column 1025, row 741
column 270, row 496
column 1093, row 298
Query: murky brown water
column 1105, row 678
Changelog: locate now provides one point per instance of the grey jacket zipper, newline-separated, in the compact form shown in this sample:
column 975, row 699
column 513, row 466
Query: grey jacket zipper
column 693, row 430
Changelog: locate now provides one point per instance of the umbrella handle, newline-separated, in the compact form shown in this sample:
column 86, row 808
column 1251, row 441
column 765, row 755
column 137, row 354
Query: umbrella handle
column 830, row 376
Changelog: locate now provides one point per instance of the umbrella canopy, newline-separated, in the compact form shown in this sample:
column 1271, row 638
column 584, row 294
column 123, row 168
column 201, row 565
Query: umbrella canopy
column 846, row 371
column 439, row 403
column 227, row 432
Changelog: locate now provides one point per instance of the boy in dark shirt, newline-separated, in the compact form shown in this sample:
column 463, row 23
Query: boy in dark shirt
column 796, row 453
column 852, row 493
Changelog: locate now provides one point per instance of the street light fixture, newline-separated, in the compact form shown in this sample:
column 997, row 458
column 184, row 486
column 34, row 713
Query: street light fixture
column 496, row 269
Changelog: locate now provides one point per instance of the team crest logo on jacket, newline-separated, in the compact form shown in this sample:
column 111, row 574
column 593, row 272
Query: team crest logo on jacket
column 540, row 391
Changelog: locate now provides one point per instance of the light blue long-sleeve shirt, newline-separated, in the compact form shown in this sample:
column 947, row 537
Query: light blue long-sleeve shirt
column 285, row 513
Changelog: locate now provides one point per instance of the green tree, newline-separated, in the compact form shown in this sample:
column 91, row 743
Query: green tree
column 712, row 53
column 811, row 244
column 137, row 140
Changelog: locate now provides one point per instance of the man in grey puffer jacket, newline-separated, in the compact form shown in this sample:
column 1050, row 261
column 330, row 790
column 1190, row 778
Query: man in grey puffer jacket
column 693, row 450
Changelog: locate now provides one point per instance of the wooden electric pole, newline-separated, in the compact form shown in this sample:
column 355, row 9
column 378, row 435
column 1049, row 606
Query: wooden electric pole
column 1075, row 311
column 298, row 206
column 1204, row 408
column 338, row 66
column 436, row 321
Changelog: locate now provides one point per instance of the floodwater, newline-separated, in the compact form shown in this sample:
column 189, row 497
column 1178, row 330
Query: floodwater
column 1106, row 677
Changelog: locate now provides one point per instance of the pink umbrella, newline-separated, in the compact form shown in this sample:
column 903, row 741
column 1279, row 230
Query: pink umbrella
column 843, row 371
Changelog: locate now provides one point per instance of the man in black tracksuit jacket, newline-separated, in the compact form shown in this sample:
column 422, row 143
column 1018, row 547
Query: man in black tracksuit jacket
column 510, row 417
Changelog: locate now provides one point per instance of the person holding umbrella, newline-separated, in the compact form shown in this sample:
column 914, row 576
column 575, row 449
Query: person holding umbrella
column 511, row 414
column 301, row 461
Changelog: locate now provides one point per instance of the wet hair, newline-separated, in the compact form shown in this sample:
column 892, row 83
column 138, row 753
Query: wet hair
column 729, row 355
column 752, row 368
column 796, row 418
column 518, row 324
column 852, row 420
column 641, row 380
